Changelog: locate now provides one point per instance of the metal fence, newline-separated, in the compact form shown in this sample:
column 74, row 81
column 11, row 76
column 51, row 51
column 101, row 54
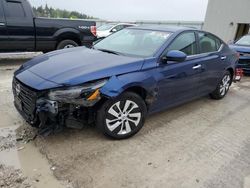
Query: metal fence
column 191, row 24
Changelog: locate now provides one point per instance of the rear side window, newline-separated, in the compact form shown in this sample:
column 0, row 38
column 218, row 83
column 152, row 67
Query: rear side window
column 208, row 43
column 14, row 10
column 186, row 43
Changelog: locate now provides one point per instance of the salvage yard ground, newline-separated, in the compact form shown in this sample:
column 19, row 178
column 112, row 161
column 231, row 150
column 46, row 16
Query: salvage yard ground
column 204, row 143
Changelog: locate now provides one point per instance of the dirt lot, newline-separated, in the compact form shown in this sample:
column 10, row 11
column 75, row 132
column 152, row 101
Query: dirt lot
column 204, row 143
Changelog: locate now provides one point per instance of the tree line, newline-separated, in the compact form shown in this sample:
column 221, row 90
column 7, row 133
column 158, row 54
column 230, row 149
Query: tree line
column 58, row 13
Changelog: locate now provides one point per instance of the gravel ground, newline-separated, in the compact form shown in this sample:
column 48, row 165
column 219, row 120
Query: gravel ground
column 12, row 178
column 7, row 139
column 201, row 144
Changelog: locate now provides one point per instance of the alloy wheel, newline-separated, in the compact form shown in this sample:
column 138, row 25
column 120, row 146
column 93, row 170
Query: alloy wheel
column 124, row 117
column 225, row 84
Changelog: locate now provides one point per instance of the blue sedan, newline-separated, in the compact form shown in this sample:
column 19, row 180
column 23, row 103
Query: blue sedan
column 242, row 46
column 132, row 73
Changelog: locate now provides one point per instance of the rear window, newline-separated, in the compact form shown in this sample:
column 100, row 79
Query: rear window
column 14, row 10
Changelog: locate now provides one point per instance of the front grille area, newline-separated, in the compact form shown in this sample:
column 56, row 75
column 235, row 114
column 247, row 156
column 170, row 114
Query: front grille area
column 25, row 100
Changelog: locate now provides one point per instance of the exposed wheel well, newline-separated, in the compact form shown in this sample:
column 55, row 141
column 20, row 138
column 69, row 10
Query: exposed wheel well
column 139, row 91
column 68, row 36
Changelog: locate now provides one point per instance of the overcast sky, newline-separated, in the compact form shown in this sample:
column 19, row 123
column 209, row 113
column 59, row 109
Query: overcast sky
column 132, row 10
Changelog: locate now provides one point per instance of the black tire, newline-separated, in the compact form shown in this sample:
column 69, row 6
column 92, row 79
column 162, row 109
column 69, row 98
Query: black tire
column 66, row 44
column 223, row 87
column 106, row 122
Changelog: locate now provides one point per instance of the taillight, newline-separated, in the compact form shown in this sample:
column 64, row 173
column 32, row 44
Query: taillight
column 239, row 72
column 93, row 30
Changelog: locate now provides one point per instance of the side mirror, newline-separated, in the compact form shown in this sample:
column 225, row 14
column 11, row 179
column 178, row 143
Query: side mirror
column 174, row 55
column 113, row 30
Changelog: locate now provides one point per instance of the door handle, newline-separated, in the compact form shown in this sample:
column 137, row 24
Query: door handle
column 2, row 24
column 223, row 57
column 197, row 67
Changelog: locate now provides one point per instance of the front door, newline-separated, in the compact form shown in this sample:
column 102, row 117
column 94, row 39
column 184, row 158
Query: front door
column 20, row 25
column 3, row 30
column 179, row 81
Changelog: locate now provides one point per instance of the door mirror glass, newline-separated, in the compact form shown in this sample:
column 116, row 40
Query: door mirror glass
column 174, row 55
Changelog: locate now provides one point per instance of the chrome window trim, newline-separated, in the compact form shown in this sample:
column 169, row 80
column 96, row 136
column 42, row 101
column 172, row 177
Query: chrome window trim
column 201, row 54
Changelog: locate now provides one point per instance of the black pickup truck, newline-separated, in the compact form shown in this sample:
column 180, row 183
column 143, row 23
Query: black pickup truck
column 20, row 30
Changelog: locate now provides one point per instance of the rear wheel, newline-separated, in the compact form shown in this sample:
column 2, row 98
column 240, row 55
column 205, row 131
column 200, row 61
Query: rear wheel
column 223, row 87
column 123, row 116
column 66, row 44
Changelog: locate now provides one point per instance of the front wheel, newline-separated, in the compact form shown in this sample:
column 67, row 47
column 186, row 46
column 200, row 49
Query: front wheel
column 123, row 116
column 223, row 87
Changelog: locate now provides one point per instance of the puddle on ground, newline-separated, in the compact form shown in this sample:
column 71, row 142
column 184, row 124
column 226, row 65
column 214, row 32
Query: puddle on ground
column 21, row 157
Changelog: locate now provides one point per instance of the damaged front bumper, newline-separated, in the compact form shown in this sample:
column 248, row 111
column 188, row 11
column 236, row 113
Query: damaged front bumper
column 53, row 116
column 65, row 114
column 40, row 111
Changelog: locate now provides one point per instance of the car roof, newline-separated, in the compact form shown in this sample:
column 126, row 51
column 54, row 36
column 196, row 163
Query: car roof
column 171, row 29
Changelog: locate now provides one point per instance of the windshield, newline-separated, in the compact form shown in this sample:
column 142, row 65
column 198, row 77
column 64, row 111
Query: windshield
column 105, row 27
column 134, row 42
column 244, row 41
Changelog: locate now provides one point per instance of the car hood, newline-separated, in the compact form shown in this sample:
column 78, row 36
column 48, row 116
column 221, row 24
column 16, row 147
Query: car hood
column 76, row 66
column 239, row 48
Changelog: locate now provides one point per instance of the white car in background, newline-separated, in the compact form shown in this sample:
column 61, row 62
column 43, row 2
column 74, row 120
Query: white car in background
column 108, row 29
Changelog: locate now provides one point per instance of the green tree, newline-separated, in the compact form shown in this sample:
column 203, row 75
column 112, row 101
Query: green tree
column 58, row 13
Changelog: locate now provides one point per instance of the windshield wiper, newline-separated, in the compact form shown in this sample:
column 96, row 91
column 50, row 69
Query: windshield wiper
column 109, row 51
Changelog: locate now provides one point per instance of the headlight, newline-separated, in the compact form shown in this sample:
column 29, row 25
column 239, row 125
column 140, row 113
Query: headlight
column 79, row 94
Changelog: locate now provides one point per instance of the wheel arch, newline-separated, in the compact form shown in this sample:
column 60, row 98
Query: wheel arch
column 67, row 34
column 118, row 85
column 231, row 71
column 142, row 92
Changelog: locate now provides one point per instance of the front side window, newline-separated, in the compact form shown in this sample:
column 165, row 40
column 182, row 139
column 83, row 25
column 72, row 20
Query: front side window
column 134, row 42
column 185, row 42
column 208, row 43
column 14, row 10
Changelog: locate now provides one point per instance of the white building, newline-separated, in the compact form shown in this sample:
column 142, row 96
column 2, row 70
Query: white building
column 229, row 19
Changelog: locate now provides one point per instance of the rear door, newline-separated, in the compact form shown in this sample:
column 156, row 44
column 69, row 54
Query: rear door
column 3, row 30
column 179, row 81
column 20, row 25
column 212, row 60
